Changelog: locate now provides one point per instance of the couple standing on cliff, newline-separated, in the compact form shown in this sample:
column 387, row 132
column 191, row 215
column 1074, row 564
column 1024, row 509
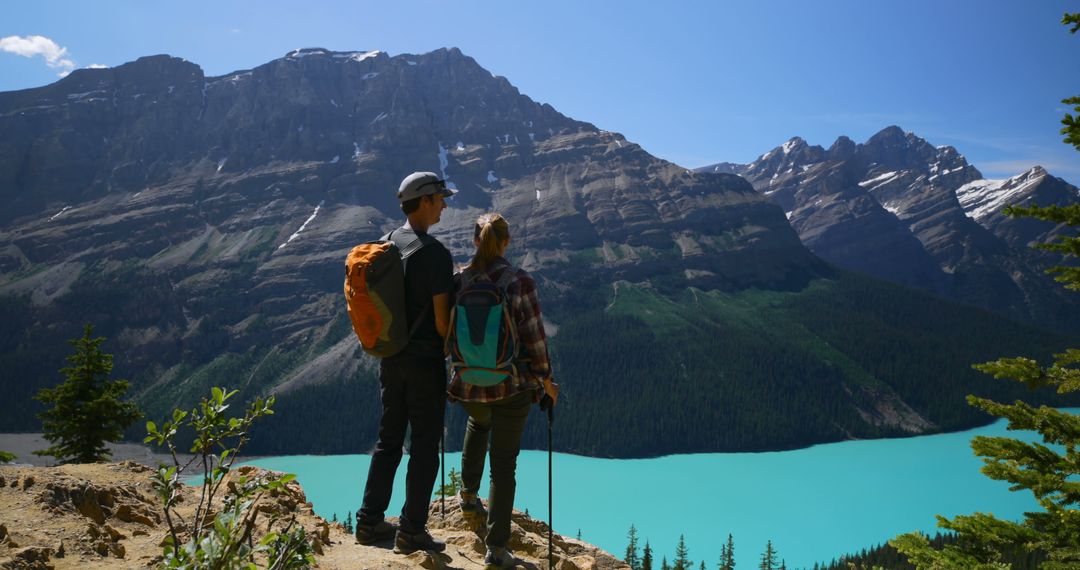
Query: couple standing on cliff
column 414, row 389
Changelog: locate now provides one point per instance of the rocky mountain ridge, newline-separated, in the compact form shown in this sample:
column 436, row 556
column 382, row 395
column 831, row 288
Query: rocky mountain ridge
column 200, row 220
column 200, row 224
column 898, row 208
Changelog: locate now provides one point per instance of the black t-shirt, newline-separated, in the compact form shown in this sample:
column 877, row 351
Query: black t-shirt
column 428, row 272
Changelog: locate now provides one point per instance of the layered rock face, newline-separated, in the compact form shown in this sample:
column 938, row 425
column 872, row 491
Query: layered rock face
column 191, row 216
column 901, row 209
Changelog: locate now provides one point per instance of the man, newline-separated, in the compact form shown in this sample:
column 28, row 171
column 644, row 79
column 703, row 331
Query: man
column 414, row 380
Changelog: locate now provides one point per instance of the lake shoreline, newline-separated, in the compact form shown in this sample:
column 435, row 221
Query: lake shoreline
column 23, row 444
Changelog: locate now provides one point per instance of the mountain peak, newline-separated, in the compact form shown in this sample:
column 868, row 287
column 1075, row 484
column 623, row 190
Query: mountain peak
column 889, row 132
column 1034, row 172
column 792, row 144
column 151, row 72
column 894, row 137
column 790, row 147
column 843, row 149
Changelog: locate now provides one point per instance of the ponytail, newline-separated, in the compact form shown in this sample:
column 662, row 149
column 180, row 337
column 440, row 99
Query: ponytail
column 491, row 230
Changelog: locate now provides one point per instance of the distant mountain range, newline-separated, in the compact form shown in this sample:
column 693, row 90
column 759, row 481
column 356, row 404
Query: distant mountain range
column 201, row 224
column 898, row 208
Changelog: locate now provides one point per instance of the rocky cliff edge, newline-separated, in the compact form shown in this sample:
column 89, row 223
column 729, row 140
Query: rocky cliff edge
column 106, row 515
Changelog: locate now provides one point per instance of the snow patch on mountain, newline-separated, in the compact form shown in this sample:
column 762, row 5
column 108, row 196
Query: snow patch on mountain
column 444, row 161
column 57, row 215
column 790, row 145
column 878, row 180
column 299, row 53
column 892, row 208
column 303, row 226
column 983, row 198
column 361, row 56
column 82, row 95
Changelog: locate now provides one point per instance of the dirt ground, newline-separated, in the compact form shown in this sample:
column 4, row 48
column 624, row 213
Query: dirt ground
column 106, row 515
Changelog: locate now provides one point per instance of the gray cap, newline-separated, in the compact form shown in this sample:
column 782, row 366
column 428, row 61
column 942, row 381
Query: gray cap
column 420, row 184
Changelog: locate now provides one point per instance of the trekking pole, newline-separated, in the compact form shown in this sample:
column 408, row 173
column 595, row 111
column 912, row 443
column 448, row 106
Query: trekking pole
column 551, row 420
column 442, row 472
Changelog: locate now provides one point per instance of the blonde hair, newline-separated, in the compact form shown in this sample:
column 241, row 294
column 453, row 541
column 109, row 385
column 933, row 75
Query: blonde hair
column 492, row 231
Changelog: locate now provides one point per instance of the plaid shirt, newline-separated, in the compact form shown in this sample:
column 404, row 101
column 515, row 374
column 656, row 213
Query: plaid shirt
column 532, row 344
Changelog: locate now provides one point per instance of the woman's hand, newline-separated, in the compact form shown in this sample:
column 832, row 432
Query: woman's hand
column 551, row 392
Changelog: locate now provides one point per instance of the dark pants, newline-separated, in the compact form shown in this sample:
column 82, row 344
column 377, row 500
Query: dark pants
column 502, row 422
column 413, row 394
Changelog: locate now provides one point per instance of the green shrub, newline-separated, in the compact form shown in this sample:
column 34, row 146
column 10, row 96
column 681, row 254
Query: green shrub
column 223, row 538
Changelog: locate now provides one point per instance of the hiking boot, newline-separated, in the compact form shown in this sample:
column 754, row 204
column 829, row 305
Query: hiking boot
column 405, row 543
column 368, row 534
column 499, row 559
column 472, row 507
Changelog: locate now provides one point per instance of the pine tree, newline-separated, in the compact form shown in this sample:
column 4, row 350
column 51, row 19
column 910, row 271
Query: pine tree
column 452, row 488
column 631, row 557
column 333, row 518
column 1071, row 130
column 349, row 522
column 727, row 554
column 768, row 558
column 702, row 565
column 646, row 557
column 664, row 564
column 984, row 540
column 87, row 409
column 682, row 559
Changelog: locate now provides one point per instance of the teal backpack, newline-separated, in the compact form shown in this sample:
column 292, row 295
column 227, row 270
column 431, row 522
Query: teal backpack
column 482, row 338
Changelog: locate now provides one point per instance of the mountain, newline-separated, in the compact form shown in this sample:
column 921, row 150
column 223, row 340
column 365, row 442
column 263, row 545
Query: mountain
column 983, row 201
column 900, row 209
column 201, row 223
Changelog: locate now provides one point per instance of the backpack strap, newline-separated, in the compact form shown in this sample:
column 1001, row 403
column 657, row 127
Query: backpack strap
column 415, row 246
column 410, row 248
column 408, row 251
column 505, row 278
column 469, row 276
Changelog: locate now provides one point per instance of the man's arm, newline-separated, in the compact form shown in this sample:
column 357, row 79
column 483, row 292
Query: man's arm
column 441, row 304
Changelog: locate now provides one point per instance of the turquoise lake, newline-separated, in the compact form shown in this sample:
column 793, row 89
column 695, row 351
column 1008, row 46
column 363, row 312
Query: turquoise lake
column 815, row 503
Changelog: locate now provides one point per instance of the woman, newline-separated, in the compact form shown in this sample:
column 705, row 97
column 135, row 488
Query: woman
column 497, row 411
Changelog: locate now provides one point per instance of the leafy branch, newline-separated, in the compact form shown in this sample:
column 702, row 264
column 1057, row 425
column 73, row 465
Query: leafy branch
column 222, row 540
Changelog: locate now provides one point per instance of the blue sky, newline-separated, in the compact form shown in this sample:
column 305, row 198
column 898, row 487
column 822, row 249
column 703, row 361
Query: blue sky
column 692, row 82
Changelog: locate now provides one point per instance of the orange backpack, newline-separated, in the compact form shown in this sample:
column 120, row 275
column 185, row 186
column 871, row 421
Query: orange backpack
column 375, row 293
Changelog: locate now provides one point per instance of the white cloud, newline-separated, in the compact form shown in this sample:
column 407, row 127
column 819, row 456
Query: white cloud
column 55, row 56
column 97, row 66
